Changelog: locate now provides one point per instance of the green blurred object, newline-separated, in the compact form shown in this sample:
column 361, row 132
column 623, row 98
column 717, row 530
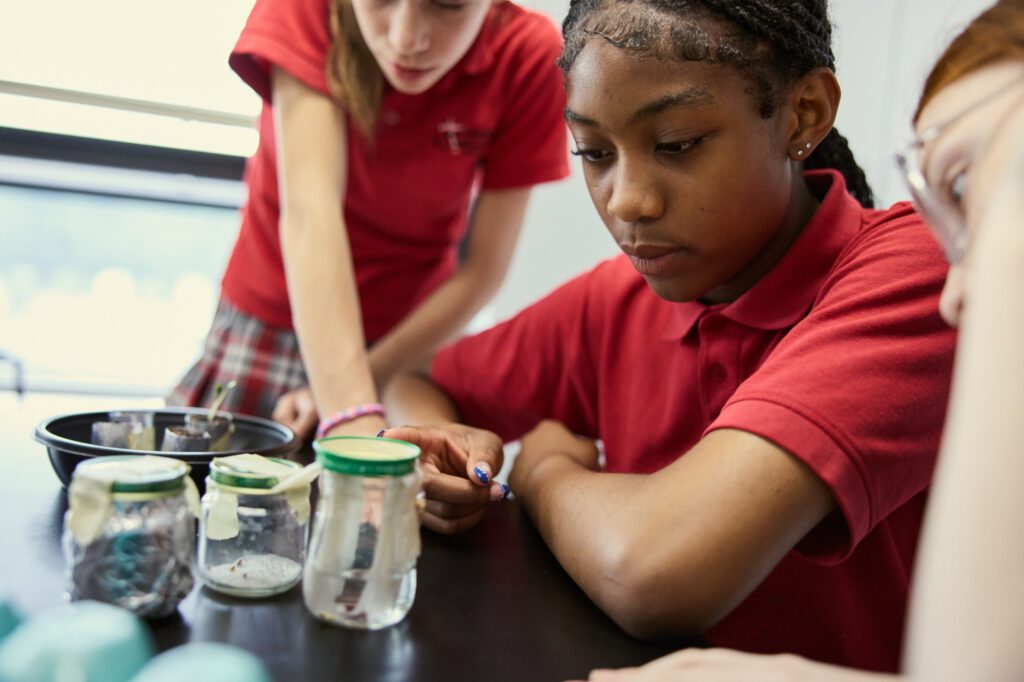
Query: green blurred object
column 9, row 616
column 204, row 662
column 85, row 641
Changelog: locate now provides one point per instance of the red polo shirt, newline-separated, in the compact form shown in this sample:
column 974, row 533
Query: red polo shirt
column 493, row 122
column 838, row 355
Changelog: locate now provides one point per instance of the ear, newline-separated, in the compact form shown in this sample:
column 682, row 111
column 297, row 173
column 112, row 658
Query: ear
column 813, row 102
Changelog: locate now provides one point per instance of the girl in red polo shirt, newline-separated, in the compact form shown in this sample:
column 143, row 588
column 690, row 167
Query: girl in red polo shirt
column 388, row 131
column 966, row 172
column 764, row 364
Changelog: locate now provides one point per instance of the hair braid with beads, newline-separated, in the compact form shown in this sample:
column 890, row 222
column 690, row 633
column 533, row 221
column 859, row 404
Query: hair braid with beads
column 771, row 42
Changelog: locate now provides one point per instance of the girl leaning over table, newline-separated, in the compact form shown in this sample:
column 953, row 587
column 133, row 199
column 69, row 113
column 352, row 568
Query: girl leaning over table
column 388, row 132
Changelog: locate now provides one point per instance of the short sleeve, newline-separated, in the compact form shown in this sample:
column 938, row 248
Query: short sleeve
column 293, row 35
column 530, row 145
column 531, row 367
column 858, row 389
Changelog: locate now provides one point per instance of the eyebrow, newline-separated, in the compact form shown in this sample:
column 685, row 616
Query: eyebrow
column 691, row 97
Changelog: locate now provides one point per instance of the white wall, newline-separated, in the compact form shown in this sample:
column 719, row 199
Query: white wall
column 884, row 49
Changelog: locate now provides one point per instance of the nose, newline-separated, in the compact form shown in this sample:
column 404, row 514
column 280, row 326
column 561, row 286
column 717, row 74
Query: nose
column 408, row 32
column 635, row 196
column 952, row 299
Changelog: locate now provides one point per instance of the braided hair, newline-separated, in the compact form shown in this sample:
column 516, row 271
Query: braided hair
column 770, row 42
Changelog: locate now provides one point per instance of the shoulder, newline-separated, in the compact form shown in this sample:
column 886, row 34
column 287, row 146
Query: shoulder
column 894, row 247
column 520, row 37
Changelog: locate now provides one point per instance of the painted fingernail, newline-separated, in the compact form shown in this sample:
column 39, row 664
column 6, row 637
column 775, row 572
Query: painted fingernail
column 504, row 491
column 482, row 474
column 381, row 433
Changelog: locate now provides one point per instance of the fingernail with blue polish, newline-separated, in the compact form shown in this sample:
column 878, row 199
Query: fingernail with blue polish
column 504, row 491
column 482, row 474
column 381, row 433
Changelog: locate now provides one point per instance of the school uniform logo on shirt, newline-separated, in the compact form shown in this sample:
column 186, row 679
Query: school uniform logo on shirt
column 458, row 139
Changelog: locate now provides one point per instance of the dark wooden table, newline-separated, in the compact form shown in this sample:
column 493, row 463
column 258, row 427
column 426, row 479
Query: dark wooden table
column 491, row 604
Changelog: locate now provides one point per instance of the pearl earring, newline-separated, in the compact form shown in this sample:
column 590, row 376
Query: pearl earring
column 800, row 152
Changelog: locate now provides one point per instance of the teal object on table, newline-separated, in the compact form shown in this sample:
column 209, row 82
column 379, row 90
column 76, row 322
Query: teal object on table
column 9, row 616
column 85, row 641
column 204, row 662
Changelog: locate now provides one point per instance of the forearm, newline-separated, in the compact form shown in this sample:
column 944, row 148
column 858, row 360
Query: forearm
column 438, row 319
column 671, row 553
column 325, row 308
column 412, row 399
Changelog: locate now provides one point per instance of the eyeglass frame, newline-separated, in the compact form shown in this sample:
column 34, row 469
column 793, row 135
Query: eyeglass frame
column 945, row 218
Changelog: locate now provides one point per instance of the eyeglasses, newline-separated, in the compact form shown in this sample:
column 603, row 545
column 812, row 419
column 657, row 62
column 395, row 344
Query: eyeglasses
column 941, row 208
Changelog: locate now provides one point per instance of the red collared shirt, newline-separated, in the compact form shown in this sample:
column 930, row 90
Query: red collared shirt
column 493, row 122
column 838, row 355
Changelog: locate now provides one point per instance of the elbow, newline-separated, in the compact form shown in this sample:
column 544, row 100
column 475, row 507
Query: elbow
column 650, row 601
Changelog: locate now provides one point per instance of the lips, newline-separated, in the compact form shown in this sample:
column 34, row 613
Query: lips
column 408, row 72
column 654, row 259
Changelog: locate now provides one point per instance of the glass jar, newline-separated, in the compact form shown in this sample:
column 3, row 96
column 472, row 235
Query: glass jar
column 361, row 571
column 252, row 537
column 129, row 533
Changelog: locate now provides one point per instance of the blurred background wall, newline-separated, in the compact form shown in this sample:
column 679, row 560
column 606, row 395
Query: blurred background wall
column 122, row 135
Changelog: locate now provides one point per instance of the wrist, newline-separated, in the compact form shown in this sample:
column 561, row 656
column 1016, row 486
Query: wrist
column 370, row 425
column 348, row 417
column 551, row 469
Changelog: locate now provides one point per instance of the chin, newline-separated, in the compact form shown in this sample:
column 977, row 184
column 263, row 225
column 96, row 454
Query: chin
column 674, row 291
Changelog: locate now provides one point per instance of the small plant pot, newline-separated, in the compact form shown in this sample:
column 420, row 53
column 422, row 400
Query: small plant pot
column 219, row 428
column 184, row 439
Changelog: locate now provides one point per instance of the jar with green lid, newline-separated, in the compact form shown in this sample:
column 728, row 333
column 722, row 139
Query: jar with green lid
column 361, row 570
column 129, row 533
column 252, row 529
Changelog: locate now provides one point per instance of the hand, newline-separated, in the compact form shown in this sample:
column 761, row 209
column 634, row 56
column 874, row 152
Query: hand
column 549, row 440
column 297, row 410
column 458, row 463
column 724, row 665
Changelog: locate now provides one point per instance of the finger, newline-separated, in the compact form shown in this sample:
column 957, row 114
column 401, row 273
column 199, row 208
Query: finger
column 284, row 409
column 484, row 461
column 450, row 526
column 305, row 423
column 454, row 489
column 447, row 510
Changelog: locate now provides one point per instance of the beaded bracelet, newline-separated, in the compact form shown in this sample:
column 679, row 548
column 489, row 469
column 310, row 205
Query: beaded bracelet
column 348, row 415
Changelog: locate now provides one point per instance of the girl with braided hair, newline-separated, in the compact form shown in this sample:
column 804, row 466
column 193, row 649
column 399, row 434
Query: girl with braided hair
column 966, row 173
column 764, row 364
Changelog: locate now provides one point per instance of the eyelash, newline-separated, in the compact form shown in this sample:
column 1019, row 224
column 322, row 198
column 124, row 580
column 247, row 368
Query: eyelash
column 594, row 156
column 451, row 7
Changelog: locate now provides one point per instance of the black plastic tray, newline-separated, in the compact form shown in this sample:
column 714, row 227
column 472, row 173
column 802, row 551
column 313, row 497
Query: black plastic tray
column 67, row 439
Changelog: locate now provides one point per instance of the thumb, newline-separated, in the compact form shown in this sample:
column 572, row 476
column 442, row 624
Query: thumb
column 484, row 461
column 284, row 409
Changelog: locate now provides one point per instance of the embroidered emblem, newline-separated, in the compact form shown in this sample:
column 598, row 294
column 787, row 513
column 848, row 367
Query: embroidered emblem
column 458, row 139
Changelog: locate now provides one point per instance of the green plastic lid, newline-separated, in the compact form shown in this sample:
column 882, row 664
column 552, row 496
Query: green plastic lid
column 261, row 474
column 366, row 456
column 136, row 474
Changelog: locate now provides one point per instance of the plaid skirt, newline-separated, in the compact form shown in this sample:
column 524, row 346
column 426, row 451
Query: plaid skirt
column 264, row 361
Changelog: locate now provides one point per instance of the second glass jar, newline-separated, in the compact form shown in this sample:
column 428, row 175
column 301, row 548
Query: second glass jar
column 252, row 540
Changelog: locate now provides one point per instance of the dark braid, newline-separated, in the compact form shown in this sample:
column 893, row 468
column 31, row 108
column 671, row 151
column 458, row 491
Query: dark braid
column 771, row 42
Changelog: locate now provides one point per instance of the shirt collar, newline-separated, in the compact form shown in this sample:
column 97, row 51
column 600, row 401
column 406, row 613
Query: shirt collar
column 784, row 295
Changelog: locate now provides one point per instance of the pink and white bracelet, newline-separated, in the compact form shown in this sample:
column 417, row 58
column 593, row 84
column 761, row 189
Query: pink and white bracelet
column 348, row 415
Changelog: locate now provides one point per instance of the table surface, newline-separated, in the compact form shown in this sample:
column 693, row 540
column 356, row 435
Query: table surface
column 491, row 604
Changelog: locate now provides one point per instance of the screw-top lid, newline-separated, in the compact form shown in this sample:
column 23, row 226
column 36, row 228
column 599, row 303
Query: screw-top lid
column 251, row 471
column 366, row 456
column 133, row 474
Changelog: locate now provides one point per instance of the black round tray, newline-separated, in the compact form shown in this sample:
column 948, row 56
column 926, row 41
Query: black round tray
column 67, row 439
